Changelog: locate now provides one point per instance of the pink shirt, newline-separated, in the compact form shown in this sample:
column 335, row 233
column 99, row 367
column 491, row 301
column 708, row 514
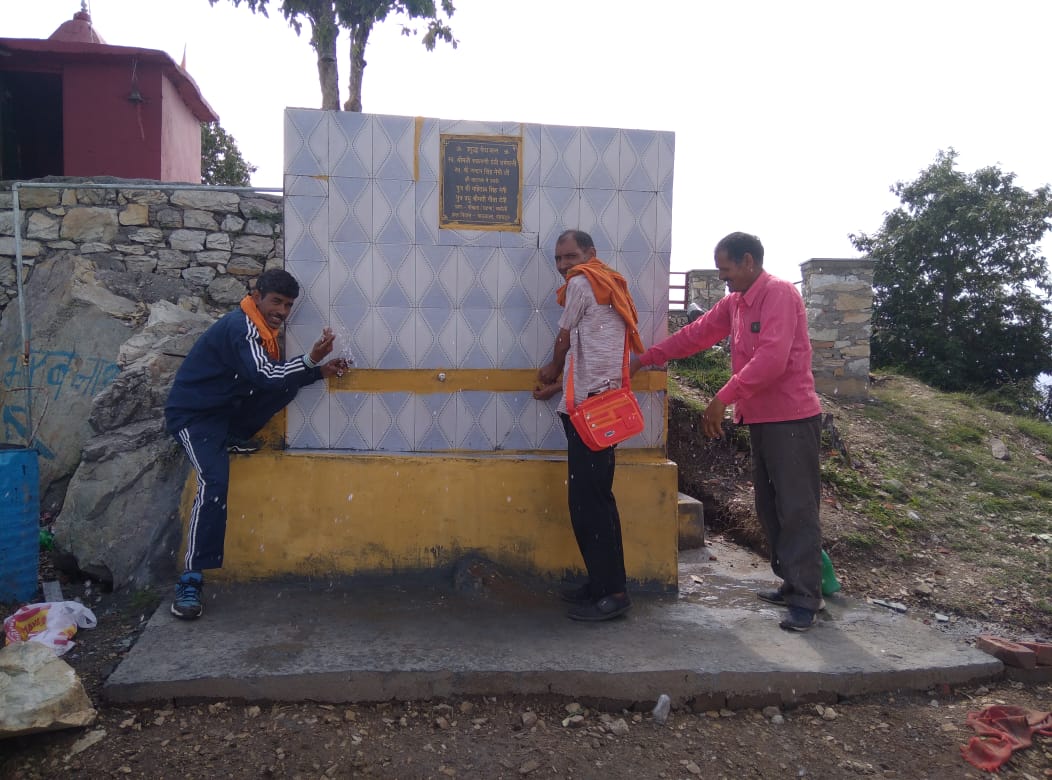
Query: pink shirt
column 771, row 377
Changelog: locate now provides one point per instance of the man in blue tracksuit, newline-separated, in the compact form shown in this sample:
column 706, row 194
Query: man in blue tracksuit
column 230, row 384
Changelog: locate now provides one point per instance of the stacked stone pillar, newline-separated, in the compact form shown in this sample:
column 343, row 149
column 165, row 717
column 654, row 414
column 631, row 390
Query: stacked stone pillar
column 838, row 294
column 705, row 288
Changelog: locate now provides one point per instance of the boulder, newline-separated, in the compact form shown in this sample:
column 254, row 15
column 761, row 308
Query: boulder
column 120, row 518
column 39, row 692
column 76, row 327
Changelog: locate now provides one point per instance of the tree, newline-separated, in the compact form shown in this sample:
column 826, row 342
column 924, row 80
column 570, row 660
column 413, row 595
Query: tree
column 358, row 17
column 961, row 290
column 221, row 160
column 321, row 15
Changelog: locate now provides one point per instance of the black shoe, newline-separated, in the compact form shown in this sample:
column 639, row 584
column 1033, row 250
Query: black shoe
column 579, row 595
column 242, row 446
column 773, row 596
column 606, row 608
column 800, row 619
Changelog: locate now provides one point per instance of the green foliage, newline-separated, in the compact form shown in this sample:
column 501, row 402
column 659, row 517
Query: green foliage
column 221, row 160
column 960, row 288
column 708, row 371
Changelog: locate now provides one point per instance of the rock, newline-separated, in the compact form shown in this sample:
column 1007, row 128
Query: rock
column 232, row 224
column 942, row 618
column 692, row 767
column 146, row 235
column 574, row 721
column 227, row 290
column 218, row 241
column 998, row 449
column 200, row 220
column 261, row 206
column 29, row 248
column 240, row 265
column 215, row 258
column 43, row 227
column 829, row 714
column 208, row 200
column 923, row 589
column 895, row 488
column 777, row 720
column 187, row 240
column 170, row 218
column 89, row 739
column 913, row 516
column 573, row 708
column 619, row 728
column 131, row 462
column 89, row 223
column 39, row 692
column 770, row 712
column 134, row 214
column 255, row 246
column 37, row 198
column 467, row 707
column 199, row 275
column 529, row 766
column 258, row 227
column 529, row 720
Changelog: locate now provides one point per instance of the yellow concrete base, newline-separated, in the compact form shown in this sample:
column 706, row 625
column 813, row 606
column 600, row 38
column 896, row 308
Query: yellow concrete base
column 322, row 513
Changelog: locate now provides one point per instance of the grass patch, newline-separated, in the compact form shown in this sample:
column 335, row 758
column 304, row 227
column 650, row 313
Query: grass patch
column 708, row 371
column 1037, row 430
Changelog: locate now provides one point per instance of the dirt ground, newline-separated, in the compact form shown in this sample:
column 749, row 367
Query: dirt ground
column 900, row 735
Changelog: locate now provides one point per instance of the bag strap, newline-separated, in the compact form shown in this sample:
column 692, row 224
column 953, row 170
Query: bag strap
column 569, row 375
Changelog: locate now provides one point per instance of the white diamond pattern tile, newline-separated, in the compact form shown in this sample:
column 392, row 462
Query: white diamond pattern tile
column 356, row 321
column 509, row 323
column 344, row 290
column 436, row 274
column 600, row 158
column 427, row 233
column 350, row 210
column 310, row 186
column 393, row 422
column 560, row 156
column 666, row 144
column 510, row 433
column 351, row 144
column 433, row 345
column 476, row 421
column 477, row 338
column 637, row 221
column 394, row 212
column 639, row 161
column 306, row 228
column 428, row 152
column 559, row 210
column 509, row 268
column 434, row 419
column 531, row 155
column 476, row 288
column 663, row 221
column 550, row 432
column 308, row 410
column 306, row 142
column 393, row 147
column 598, row 218
column 394, row 338
column 373, row 275
column 399, row 260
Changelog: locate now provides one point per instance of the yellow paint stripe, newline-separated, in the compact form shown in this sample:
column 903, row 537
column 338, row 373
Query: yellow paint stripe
column 418, row 129
column 426, row 381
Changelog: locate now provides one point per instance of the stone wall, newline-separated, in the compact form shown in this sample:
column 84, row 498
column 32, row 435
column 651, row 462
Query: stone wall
column 838, row 294
column 95, row 261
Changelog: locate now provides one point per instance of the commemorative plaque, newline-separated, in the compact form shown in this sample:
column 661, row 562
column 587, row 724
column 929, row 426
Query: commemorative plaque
column 480, row 182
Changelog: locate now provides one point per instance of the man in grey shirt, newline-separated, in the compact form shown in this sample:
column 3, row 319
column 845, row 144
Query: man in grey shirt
column 591, row 344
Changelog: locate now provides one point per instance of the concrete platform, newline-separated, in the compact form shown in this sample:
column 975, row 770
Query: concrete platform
column 715, row 645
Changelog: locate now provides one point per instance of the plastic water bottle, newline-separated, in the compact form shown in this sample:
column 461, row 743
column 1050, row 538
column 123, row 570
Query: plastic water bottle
column 661, row 709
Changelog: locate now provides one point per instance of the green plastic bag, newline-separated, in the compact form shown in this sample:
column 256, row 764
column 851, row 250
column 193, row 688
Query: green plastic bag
column 830, row 584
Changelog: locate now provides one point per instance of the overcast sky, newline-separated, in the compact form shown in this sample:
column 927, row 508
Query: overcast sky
column 792, row 120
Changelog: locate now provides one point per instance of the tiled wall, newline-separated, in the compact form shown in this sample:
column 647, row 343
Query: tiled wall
column 362, row 238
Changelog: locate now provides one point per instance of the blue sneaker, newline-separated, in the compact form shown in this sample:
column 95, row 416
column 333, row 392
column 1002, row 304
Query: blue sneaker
column 187, row 604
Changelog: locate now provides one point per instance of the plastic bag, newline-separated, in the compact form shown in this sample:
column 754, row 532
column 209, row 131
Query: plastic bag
column 53, row 624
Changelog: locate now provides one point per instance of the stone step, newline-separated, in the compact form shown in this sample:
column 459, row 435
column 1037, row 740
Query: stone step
column 691, row 522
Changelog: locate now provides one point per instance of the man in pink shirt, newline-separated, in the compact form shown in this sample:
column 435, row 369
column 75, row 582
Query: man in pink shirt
column 773, row 392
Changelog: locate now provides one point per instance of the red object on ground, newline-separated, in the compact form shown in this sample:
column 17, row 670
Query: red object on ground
column 1043, row 651
column 1009, row 653
column 1001, row 730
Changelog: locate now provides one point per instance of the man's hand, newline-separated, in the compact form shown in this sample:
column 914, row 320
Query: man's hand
column 550, row 373
column 712, row 419
column 322, row 346
column 334, row 367
column 544, row 392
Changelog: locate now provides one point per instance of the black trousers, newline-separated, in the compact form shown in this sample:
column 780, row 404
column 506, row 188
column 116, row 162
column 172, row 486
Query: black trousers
column 593, row 513
column 205, row 441
column 788, row 485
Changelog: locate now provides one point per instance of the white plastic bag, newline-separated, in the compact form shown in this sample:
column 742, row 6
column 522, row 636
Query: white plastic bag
column 53, row 624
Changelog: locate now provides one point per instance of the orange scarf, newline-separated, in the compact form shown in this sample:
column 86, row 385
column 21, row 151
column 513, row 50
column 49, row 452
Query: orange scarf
column 268, row 334
column 609, row 288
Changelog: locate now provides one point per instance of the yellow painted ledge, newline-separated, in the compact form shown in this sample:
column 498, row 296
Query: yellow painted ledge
column 324, row 513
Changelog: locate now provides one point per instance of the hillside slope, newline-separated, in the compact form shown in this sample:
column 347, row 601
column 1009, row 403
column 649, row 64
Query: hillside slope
column 929, row 499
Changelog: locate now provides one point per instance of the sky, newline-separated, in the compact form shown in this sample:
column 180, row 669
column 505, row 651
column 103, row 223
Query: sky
column 792, row 119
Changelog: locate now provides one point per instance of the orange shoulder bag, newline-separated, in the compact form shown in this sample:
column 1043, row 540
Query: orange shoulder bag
column 609, row 417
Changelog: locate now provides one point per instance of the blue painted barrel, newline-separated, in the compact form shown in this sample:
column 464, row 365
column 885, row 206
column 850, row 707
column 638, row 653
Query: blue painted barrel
column 19, row 524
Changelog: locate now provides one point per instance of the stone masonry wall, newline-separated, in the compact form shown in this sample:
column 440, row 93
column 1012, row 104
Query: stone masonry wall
column 213, row 241
column 838, row 294
column 704, row 287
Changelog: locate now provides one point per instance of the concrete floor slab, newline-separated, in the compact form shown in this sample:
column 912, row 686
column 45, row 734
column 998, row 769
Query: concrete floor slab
column 713, row 645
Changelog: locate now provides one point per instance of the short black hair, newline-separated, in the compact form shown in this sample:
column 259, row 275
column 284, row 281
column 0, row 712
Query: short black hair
column 277, row 281
column 736, row 245
column 584, row 241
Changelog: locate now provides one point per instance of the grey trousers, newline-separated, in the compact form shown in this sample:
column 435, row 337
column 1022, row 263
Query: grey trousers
column 788, row 488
